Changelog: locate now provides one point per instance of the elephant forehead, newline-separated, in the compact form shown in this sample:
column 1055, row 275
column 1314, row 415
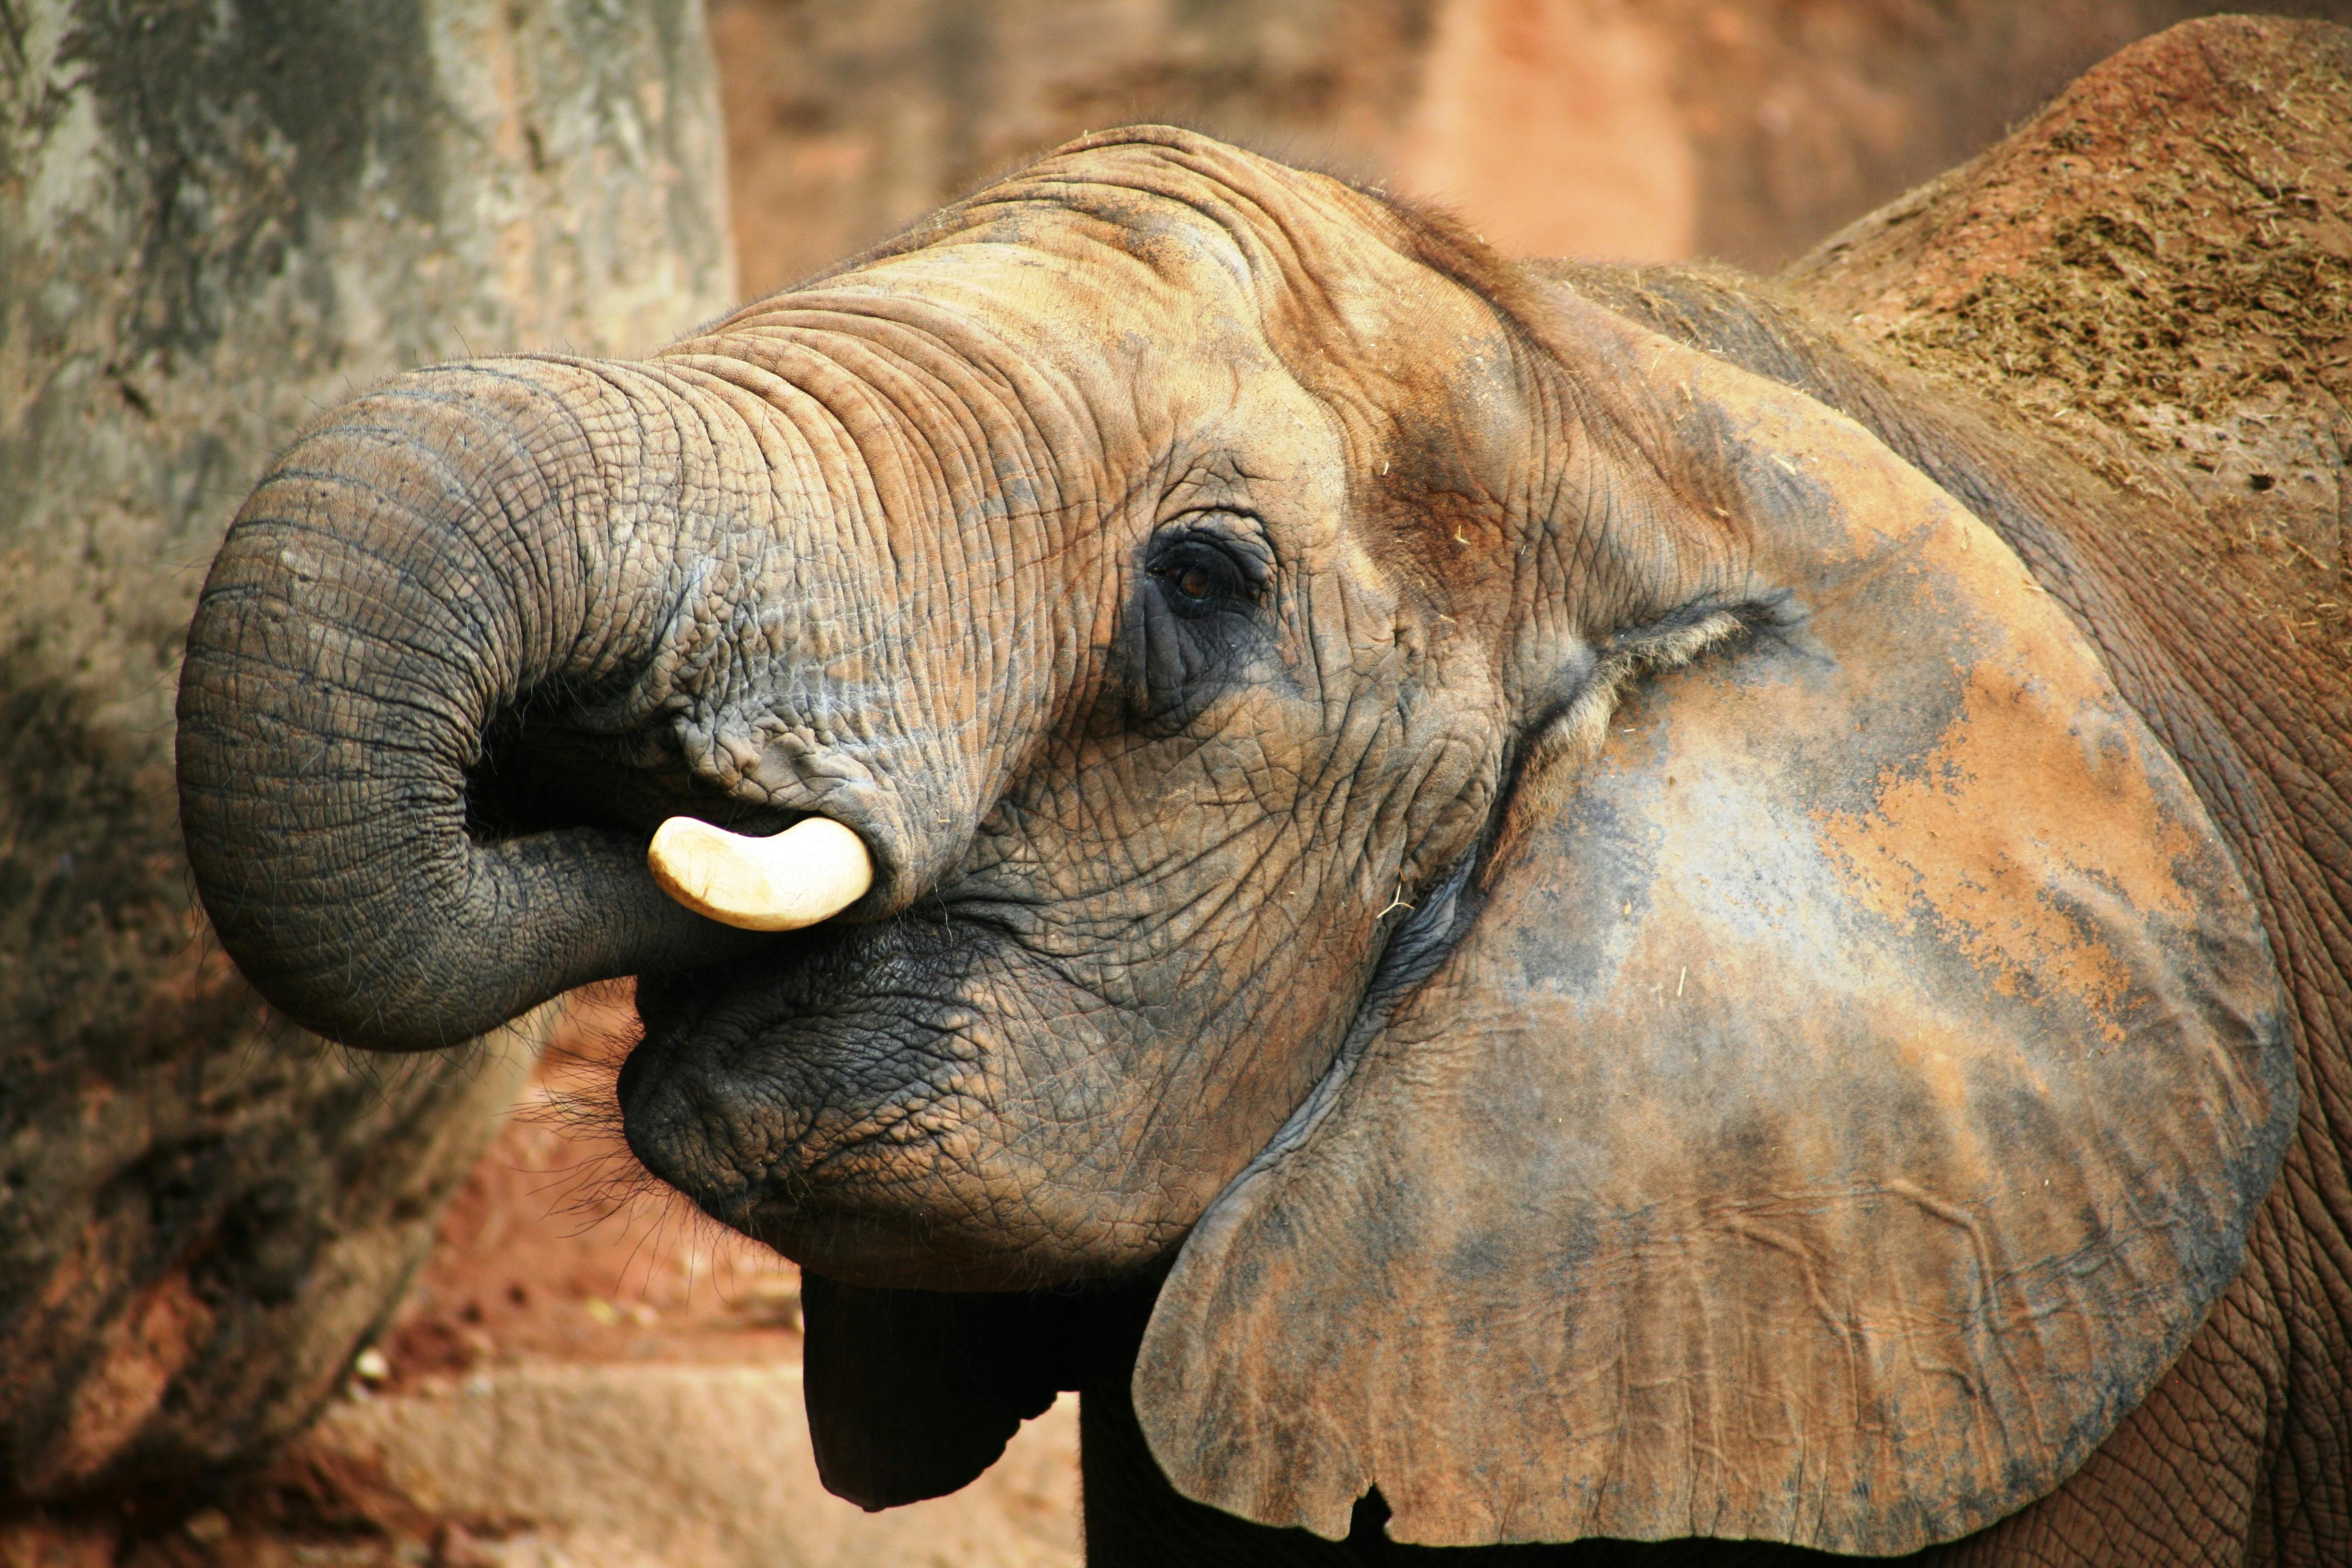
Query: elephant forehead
column 1168, row 271
column 1070, row 284
column 1149, row 372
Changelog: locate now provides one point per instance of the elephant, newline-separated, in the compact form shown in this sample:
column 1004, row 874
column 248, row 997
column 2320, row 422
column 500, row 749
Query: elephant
column 1514, row 911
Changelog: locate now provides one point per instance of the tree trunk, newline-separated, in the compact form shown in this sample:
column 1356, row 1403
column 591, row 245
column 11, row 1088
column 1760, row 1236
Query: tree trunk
column 216, row 219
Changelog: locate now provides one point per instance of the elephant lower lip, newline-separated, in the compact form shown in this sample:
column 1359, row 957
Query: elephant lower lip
column 658, row 1121
column 630, row 1079
column 867, row 1212
column 853, row 1098
column 911, row 1193
column 745, row 1146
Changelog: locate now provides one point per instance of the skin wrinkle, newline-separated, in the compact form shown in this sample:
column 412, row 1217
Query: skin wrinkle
column 950, row 469
column 466, row 607
column 431, row 707
column 1012, row 392
column 1074, row 428
column 1123, row 231
column 428, row 649
column 649, row 400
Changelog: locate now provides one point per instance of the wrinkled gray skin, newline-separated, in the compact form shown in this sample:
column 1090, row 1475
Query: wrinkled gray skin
column 1160, row 560
column 906, row 547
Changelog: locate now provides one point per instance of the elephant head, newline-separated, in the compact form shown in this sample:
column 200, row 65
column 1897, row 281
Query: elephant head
column 1635, row 962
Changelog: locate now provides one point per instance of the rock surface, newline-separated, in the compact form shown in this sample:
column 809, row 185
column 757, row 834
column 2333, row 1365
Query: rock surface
column 216, row 219
column 650, row 1465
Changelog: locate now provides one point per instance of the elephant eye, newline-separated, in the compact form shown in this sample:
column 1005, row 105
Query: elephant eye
column 1196, row 611
column 1199, row 577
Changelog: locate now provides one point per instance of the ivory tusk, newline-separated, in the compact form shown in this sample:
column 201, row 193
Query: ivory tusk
column 812, row 871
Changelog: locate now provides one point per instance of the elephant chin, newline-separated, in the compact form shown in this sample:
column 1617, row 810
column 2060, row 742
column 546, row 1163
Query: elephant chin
column 837, row 1100
column 886, row 1212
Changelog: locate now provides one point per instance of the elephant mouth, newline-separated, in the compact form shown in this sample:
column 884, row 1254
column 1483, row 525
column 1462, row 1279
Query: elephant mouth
column 921, row 1103
column 849, row 1096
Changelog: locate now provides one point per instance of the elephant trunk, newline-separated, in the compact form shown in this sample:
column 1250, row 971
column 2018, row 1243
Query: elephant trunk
column 442, row 553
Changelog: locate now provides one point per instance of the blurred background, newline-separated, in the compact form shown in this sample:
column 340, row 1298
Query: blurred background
column 1638, row 130
column 262, row 1301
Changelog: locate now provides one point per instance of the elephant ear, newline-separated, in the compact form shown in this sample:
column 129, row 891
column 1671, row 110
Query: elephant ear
column 1851, row 1092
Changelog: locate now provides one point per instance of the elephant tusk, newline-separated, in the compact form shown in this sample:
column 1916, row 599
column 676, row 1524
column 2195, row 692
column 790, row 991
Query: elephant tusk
column 811, row 872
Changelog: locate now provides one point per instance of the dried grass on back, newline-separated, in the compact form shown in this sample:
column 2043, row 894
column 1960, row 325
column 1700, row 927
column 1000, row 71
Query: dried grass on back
column 2161, row 281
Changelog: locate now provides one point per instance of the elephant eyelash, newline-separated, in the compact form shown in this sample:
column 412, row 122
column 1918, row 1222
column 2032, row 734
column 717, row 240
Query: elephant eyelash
column 1200, row 573
column 1195, row 618
column 1577, row 732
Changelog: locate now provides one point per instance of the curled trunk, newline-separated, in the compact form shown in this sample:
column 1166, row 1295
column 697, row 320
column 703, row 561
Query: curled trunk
column 438, row 559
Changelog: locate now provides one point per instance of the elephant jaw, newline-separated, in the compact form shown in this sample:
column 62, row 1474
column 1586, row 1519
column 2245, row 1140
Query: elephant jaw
column 855, row 1097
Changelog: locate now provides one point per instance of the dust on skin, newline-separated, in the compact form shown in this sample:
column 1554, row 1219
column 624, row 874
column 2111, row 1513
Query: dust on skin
column 1943, row 840
column 2156, row 273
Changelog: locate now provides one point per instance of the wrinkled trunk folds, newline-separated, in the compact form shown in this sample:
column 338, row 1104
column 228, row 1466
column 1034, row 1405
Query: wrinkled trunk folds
column 439, row 556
